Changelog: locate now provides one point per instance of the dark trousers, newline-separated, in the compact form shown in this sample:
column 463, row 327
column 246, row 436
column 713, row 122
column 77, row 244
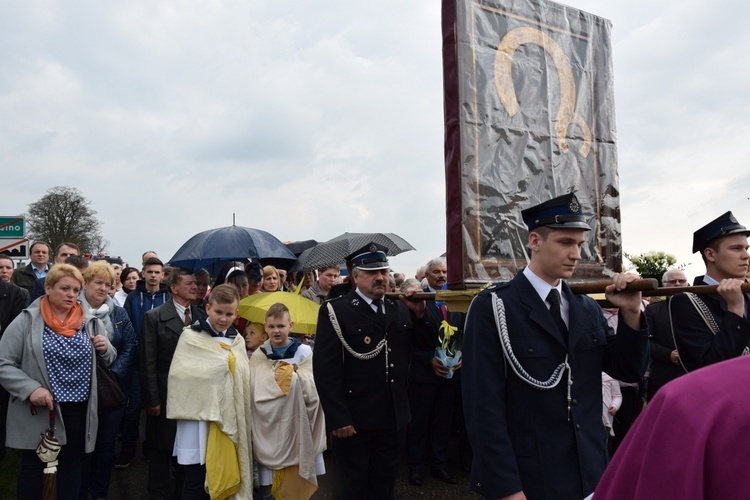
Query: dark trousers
column 631, row 401
column 367, row 464
column 4, row 396
column 159, row 483
column 132, row 419
column 431, row 417
column 194, row 480
column 159, row 445
column 96, row 468
column 69, row 466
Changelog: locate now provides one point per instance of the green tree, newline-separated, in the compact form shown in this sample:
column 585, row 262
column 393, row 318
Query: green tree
column 63, row 214
column 652, row 264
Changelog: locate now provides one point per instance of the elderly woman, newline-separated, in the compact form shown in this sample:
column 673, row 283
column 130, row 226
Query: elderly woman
column 48, row 360
column 271, row 279
column 97, row 467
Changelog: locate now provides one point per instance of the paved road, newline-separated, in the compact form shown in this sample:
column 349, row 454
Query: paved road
column 130, row 483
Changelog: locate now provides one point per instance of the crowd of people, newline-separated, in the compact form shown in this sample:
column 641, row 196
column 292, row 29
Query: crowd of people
column 534, row 380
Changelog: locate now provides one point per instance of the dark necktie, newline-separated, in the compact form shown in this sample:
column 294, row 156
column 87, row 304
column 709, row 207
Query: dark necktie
column 554, row 300
column 378, row 303
column 188, row 319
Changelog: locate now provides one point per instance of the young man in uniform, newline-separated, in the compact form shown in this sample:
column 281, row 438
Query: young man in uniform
column 713, row 327
column 533, row 357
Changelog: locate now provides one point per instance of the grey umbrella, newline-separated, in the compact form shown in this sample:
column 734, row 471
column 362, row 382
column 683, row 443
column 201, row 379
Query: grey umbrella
column 333, row 251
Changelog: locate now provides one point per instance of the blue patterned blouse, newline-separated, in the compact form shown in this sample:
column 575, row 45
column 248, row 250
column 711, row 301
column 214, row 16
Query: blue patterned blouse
column 68, row 365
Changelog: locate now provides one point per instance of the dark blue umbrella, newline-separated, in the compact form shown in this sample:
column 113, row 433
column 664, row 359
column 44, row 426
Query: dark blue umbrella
column 213, row 248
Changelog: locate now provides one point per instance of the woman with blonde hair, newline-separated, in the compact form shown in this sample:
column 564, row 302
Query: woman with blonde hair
column 48, row 362
column 271, row 279
column 97, row 467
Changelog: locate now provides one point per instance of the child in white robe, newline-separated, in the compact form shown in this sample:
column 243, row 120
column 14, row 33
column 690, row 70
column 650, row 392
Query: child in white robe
column 288, row 426
column 209, row 397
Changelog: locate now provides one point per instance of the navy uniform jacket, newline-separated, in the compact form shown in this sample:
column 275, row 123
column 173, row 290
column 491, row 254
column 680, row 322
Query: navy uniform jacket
column 358, row 392
column 696, row 343
column 520, row 435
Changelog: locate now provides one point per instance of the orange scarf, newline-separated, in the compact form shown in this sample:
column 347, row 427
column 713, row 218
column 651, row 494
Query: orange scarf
column 66, row 328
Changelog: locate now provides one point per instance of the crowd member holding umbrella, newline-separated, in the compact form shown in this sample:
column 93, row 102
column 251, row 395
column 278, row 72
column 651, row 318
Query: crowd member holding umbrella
column 128, row 277
column 48, row 360
column 97, row 467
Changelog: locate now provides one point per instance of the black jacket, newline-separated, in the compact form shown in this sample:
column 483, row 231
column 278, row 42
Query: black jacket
column 12, row 302
column 661, row 342
column 697, row 344
column 524, row 438
column 368, row 394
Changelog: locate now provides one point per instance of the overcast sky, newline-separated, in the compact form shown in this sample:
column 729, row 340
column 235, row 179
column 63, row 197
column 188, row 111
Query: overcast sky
column 309, row 119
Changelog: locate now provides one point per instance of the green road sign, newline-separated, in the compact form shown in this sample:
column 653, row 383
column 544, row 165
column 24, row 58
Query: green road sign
column 12, row 227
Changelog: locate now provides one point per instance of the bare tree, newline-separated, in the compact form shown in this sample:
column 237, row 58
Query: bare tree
column 63, row 214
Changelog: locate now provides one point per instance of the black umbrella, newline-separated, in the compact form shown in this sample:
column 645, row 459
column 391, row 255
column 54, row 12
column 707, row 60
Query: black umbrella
column 213, row 248
column 297, row 247
column 333, row 251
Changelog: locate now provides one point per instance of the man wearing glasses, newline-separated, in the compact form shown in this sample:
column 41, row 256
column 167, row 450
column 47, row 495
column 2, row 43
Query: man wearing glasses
column 665, row 360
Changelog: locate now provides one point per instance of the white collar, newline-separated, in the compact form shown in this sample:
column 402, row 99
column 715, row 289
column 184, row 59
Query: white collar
column 542, row 287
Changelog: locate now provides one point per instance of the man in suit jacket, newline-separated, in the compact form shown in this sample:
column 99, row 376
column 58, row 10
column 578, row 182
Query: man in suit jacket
column 160, row 333
column 431, row 393
column 361, row 366
column 37, row 268
column 724, row 249
column 665, row 359
column 533, row 387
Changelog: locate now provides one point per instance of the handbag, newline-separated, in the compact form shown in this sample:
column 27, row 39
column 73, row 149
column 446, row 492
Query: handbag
column 109, row 394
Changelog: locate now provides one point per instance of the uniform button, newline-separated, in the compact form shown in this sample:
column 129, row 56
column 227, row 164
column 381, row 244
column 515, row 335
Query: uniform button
column 578, row 427
column 392, row 381
column 391, row 365
column 596, row 341
column 574, row 402
column 389, row 349
column 531, row 350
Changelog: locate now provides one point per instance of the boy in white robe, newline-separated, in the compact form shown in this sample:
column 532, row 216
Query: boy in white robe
column 288, row 426
column 209, row 381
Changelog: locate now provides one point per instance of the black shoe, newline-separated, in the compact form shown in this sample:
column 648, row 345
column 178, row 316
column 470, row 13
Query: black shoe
column 443, row 475
column 124, row 459
column 415, row 478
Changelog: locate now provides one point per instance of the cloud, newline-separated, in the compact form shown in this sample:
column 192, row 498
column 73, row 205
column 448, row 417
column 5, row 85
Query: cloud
column 308, row 120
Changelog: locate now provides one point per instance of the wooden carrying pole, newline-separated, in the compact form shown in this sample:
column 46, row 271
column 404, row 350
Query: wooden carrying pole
column 459, row 300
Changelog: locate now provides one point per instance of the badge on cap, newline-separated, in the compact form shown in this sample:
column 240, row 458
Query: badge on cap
column 573, row 205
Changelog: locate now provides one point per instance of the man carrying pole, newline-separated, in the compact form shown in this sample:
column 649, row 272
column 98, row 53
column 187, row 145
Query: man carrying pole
column 533, row 357
column 713, row 327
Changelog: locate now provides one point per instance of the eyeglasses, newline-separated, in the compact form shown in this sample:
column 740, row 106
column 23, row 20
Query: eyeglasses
column 676, row 282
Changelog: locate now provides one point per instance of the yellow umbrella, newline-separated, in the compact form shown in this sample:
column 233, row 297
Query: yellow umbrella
column 304, row 312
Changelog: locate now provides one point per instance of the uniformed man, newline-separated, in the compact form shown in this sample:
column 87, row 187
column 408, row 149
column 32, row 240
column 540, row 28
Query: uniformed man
column 361, row 367
column 712, row 328
column 533, row 357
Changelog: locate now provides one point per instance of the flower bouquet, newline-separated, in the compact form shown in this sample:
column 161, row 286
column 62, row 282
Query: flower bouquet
column 449, row 350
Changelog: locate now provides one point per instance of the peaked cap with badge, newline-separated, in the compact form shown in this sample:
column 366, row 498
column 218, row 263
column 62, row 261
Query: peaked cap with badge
column 563, row 212
column 371, row 257
column 724, row 225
